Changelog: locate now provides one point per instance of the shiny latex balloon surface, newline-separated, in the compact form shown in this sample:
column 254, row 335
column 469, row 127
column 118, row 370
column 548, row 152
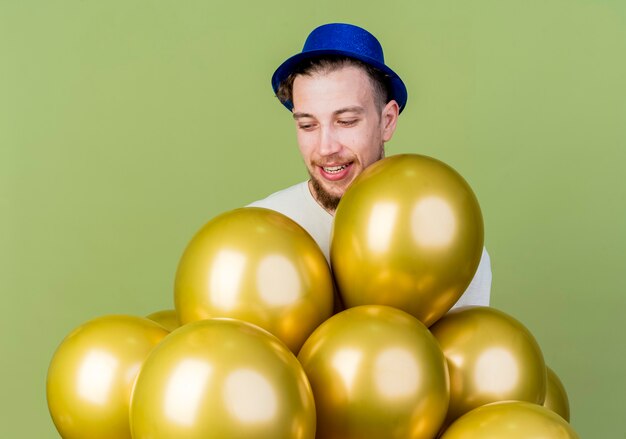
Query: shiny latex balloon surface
column 92, row 373
column 259, row 266
column 407, row 233
column 491, row 357
column 376, row 372
column 510, row 420
column 556, row 396
column 221, row 379
column 166, row 318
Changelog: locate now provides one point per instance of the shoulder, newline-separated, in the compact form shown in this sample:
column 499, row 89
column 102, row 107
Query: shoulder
column 479, row 290
column 290, row 195
column 297, row 203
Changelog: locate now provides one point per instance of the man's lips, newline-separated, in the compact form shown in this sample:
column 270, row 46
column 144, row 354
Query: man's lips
column 335, row 172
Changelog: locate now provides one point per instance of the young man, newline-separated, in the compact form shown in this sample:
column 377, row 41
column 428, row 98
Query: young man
column 345, row 102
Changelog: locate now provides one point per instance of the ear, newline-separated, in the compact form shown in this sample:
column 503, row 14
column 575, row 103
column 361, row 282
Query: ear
column 389, row 119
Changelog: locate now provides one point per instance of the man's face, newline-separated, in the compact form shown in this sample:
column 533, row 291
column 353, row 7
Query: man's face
column 341, row 130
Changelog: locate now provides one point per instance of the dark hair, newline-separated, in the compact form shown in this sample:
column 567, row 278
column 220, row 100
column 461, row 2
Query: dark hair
column 330, row 63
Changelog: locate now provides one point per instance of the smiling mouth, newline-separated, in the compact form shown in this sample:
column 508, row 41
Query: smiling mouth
column 335, row 172
column 334, row 169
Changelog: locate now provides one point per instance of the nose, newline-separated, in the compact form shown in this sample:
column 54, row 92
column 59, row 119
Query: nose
column 329, row 143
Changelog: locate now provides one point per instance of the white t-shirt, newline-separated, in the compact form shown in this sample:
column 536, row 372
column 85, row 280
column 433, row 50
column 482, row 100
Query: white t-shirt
column 298, row 203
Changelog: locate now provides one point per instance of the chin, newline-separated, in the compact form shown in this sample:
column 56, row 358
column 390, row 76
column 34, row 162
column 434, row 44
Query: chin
column 336, row 190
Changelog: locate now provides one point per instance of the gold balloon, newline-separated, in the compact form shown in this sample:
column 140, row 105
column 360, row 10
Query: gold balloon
column 92, row 373
column 259, row 266
column 510, row 420
column 221, row 379
column 491, row 357
column 166, row 318
column 407, row 233
column 376, row 372
column 556, row 396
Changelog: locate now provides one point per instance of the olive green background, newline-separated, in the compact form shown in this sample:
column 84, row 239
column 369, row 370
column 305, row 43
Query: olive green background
column 126, row 125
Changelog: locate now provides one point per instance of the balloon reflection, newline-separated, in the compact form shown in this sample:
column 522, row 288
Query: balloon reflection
column 346, row 363
column 250, row 397
column 184, row 391
column 396, row 373
column 96, row 375
column 433, row 222
column 286, row 292
column 225, row 278
column 496, row 371
column 381, row 224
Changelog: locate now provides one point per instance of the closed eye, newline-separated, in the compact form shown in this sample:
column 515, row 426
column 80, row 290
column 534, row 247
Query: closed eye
column 306, row 126
column 347, row 122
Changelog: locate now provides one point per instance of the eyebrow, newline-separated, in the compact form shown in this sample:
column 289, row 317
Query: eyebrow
column 353, row 109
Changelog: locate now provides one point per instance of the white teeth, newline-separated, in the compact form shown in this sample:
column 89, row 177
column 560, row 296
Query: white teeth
column 334, row 169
